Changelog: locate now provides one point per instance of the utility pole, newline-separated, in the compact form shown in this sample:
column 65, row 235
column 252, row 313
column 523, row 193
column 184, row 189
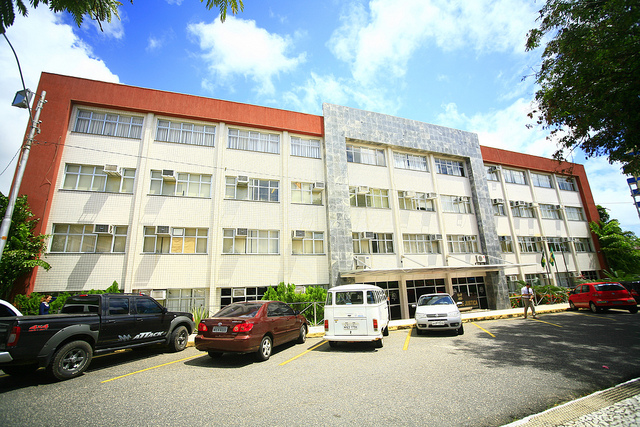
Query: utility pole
column 22, row 164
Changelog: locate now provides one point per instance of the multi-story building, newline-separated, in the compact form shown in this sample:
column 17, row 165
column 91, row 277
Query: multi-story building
column 199, row 201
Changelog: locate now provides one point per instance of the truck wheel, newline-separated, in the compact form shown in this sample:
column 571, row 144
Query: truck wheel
column 71, row 360
column 179, row 339
column 20, row 370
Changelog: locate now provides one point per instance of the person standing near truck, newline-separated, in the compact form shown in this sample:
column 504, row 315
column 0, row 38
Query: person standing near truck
column 44, row 304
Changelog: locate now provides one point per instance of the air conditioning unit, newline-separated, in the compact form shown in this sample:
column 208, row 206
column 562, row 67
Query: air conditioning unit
column 178, row 232
column 240, row 232
column 162, row 229
column 481, row 259
column 112, row 170
column 409, row 194
column 431, row 195
column 168, row 175
column 497, row 201
column 102, row 229
column 363, row 189
column 318, row 186
column 361, row 262
column 158, row 294
column 539, row 239
column 297, row 234
column 242, row 180
column 529, row 204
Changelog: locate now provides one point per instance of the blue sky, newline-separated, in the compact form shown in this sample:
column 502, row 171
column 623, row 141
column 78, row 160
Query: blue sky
column 452, row 63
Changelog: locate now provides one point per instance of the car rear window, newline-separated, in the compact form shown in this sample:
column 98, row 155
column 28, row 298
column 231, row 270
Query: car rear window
column 608, row 287
column 76, row 305
column 349, row 298
column 239, row 310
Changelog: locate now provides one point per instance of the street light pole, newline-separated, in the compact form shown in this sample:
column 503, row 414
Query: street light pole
column 22, row 164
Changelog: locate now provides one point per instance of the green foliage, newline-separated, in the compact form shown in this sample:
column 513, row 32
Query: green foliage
column 30, row 305
column 97, row 10
column 23, row 249
column 544, row 294
column 620, row 248
column 620, row 276
column 589, row 84
column 302, row 301
column 199, row 313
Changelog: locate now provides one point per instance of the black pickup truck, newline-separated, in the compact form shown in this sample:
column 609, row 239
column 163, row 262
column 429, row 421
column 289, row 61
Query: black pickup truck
column 88, row 324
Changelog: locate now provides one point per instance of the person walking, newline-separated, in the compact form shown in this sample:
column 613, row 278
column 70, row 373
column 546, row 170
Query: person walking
column 527, row 300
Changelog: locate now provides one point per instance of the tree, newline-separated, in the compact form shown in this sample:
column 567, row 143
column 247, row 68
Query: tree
column 620, row 248
column 98, row 10
column 23, row 250
column 589, row 78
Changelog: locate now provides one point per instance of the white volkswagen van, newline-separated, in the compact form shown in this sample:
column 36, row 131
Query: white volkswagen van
column 356, row 313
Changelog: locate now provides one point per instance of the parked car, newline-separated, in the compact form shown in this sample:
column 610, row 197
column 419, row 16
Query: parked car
column 252, row 326
column 599, row 296
column 438, row 312
column 7, row 309
column 356, row 313
column 633, row 288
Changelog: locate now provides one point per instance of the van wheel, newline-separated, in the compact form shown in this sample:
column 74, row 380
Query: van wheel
column 379, row 343
column 302, row 337
column 385, row 331
column 264, row 352
column 71, row 360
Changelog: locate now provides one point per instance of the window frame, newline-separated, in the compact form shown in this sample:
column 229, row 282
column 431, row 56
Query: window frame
column 365, row 155
column 96, row 172
column 251, row 244
column 311, row 244
column 185, row 133
column 108, row 120
column 449, row 167
column 196, row 237
column 306, row 147
column 252, row 140
column 410, row 162
column 93, row 243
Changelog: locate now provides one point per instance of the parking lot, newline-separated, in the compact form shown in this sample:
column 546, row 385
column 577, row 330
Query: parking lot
column 498, row 371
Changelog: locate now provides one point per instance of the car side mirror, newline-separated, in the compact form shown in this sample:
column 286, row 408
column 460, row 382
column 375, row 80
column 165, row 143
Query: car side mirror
column 414, row 305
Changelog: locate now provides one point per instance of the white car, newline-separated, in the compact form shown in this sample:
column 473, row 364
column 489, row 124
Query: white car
column 8, row 310
column 438, row 312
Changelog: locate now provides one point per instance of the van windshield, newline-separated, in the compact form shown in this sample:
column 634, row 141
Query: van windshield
column 349, row 298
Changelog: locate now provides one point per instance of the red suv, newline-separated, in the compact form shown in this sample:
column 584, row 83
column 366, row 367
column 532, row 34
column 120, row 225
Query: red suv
column 599, row 296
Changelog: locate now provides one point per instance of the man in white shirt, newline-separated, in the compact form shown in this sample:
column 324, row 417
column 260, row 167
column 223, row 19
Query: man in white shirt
column 527, row 300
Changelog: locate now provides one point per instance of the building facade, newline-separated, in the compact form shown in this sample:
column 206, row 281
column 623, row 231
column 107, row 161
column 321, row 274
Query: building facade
column 200, row 202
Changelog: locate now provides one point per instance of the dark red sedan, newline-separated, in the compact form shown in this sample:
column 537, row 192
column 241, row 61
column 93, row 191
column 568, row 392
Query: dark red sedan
column 599, row 296
column 252, row 326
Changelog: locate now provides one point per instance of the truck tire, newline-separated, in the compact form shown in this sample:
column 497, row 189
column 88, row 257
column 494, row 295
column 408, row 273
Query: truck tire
column 179, row 339
column 71, row 360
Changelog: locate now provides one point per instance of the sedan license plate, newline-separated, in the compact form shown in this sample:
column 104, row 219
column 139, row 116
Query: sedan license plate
column 219, row 329
column 350, row 326
column 437, row 323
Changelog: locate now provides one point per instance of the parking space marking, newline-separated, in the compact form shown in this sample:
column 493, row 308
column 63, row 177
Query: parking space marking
column 304, row 352
column 406, row 340
column 597, row 317
column 148, row 369
column 548, row 323
column 474, row 323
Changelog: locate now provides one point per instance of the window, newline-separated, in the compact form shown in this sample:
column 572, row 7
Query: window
column 80, row 238
column 529, row 244
column 302, row 192
column 522, row 210
column 311, row 243
column 372, row 243
column 185, row 299
column 459, row 244
column 250, row 241
column 492, row 173
column 94, row 178
column 258, row 190
column 513, row 176
column 184, row 184
column 575, row 213
column 369, row 197
column 498, row 209
column 539, row 180
column 456, row 204
column 186, row 133
column 549, row 212
column 566, row 183
column 410, row 161
column 582, row 245
column 410, row 200
column 506, row 244
column 118, row 306
column 449, row 167
column 254, row 141
column 305, row 147
column 180, row 241
column 368, row 156
column 147, row 306
column 229, row 295
column 420, row 244
column 108, row 124
column 557, row 244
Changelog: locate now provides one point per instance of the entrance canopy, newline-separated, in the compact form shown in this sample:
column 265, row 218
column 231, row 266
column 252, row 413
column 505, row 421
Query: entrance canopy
column 473, row 270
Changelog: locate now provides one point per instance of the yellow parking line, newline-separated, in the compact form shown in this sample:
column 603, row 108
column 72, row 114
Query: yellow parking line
column 148, row 369
column 474, row 323
column 548, row 323
column 406, row 340
column 304, row 352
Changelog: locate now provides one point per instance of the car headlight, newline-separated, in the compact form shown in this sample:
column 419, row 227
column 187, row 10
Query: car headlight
column 420, row 316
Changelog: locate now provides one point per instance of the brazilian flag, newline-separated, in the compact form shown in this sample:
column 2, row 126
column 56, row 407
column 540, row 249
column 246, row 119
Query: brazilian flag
column 543, row 261
column 552, row 259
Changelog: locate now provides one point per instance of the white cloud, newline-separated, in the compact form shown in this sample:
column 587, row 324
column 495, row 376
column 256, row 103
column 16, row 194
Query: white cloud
column 380, row 42
column 239, row 47
column 113, row 29
column 60, row 51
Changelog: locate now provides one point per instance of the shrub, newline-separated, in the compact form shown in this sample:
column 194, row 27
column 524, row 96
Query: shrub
column 302, row 301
